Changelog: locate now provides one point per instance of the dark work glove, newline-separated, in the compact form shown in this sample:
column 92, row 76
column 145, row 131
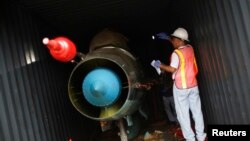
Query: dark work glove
column 162, row 35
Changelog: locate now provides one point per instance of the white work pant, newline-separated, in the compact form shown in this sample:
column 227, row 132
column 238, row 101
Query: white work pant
column 185, row 100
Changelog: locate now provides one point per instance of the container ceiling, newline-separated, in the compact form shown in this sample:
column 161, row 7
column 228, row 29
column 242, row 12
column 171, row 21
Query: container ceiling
column 78, row 17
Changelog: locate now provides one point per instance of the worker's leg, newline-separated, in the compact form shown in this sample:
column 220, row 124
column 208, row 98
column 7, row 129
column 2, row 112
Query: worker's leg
column 182, row 110
column 195, row 107
column 167, row 108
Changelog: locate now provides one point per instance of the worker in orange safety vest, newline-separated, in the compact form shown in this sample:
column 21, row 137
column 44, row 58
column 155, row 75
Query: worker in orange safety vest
column 185, row 88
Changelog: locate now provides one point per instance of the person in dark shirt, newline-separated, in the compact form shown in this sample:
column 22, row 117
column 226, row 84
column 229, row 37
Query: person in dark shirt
column 168, row 99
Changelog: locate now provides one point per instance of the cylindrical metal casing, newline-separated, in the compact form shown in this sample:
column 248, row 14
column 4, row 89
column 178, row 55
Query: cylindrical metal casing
column 125, row 66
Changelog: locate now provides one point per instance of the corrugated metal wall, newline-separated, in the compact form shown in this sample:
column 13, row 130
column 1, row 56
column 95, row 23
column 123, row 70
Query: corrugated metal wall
column 34, row 104
column 221, row 35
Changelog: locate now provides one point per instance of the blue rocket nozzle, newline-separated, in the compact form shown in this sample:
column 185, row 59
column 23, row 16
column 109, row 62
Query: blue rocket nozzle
column 101, row 87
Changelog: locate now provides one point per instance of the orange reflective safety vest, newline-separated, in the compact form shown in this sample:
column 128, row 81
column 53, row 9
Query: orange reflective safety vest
column 185, row 76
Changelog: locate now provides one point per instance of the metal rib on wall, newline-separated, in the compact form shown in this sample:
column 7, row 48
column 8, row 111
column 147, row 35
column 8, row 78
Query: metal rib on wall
column 34, row 104
column 221, row 33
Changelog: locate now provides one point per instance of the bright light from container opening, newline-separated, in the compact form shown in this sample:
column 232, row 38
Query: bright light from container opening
column 30, row 56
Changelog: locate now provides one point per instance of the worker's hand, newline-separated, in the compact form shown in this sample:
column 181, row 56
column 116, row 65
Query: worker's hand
column 162, row 35
column 157, row 63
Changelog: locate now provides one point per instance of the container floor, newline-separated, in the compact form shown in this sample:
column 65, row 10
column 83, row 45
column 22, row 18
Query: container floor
column 157, row 131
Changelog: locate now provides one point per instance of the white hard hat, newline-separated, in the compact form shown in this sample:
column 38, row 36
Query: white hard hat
column 181, row 33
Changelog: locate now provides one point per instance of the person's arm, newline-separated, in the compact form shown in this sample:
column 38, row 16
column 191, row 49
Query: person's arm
column 173, row 65
column 167, row 68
